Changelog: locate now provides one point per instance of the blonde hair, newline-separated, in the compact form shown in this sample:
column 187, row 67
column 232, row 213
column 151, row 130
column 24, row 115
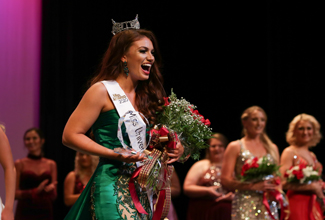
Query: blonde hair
column 290, row 135
column 268, row 144
column 219, row 137
column 80, row 172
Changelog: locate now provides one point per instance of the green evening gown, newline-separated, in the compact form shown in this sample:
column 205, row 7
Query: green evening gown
column 107, row 195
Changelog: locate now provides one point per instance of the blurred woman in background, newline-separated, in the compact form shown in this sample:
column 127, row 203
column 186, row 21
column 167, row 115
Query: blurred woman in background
column 76, row 180
column 248, row 200
column 36, row 180
column 208, row 199
column 304, row 199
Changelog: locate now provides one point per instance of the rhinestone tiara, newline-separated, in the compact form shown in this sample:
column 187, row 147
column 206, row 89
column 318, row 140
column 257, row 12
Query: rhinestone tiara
column 121, row 26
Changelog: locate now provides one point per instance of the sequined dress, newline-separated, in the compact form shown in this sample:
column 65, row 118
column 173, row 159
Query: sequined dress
column 107, row 196
column 206, row 208
column 248, row 204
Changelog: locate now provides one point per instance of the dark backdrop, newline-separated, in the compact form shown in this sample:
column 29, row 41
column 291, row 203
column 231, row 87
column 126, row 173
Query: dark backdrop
column 222, row 57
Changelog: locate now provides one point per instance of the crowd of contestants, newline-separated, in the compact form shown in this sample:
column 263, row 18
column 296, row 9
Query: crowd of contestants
column 212, row 183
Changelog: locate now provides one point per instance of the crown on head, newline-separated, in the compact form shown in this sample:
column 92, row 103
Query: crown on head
column 121, row 26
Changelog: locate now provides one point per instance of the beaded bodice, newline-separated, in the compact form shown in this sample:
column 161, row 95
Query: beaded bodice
column 212, row 177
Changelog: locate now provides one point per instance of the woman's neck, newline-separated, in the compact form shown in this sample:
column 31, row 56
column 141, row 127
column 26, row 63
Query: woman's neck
column 252, row 138
column 127, row 84
column 216, row 161
column 35, row 156
column 302, row 146
column 85, row 171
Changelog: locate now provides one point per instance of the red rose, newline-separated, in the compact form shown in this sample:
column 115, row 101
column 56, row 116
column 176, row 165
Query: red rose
column 302, row 166
column 298, row 173
column 166, row 101
column 286, row 175
column 247, row 166
column 254, row 163
column 244, row 169
column 196, row 112
column 207, row 122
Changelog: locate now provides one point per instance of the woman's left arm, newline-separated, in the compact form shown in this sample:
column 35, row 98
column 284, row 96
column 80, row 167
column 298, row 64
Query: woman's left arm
column 7, row 163
column 51, row 188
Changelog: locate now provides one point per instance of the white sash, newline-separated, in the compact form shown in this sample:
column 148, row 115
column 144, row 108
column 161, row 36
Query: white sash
column 135, row 126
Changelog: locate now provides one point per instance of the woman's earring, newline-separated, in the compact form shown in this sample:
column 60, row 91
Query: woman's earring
column 126, row 69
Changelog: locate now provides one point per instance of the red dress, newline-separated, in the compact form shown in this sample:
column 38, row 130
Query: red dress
column 34, row 207
column 78, row 186
column 207, row 209
column 304, row 205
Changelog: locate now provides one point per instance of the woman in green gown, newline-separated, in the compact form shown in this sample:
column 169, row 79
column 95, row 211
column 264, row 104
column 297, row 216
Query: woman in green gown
column 130, row 61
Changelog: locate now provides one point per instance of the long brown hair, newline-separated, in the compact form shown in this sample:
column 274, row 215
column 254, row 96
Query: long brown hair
column 149, row 93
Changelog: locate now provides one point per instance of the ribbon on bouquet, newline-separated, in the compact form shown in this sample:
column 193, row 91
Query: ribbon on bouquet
column 142, row 175
column 163, row 134
column 285, row 212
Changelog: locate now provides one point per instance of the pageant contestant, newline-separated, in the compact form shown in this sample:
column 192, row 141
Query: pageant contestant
column 36, row 180
column 76, row 180
column 129, row 74
column 248, row 200
column 305, row 197
column 7, row 163
column 208, row 199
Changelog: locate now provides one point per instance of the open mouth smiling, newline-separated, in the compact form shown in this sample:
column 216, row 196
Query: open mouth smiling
column 146, row 68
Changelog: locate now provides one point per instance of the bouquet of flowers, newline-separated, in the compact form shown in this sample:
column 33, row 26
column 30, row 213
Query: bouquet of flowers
column 178, row 121
column 301, row 174
column 192, row 128
column 257, row 169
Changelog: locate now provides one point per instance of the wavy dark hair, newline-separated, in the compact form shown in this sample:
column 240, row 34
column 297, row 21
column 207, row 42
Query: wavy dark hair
column 149, row 93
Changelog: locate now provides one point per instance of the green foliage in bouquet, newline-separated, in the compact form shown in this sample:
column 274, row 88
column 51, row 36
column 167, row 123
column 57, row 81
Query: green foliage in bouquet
column 193, row 130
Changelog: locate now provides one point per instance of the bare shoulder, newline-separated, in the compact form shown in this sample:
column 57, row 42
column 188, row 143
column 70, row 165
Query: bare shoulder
column 233, row 147
column 197, row 170
column 50, row 162
column 288, row 153
column 71, row 175
column 275, row 146
column 289, row 150
column 97, row 95
column 97, row 89
column 198, row 167
column 201, row 163
column 19, row 163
